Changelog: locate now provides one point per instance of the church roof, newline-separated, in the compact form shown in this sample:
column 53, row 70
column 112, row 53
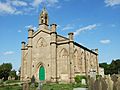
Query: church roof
column 75, row 43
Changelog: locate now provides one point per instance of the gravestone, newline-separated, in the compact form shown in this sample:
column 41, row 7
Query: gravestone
column 118, row 84
column 33, row 81
column 26, row 85
column 114, row 79
column 40, row 84
column 96, row 85
column 104, row 84
column 109, row 82
column 9, row 78
column 83, row 81
column 91, row 83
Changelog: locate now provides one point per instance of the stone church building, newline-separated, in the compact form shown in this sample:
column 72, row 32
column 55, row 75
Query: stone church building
column 51, row 57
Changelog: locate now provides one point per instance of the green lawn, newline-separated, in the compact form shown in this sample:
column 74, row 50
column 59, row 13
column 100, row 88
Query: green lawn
column 57, row 87
column 10, row 88
column 45, row 87
column 15, row 85
column 12, row 81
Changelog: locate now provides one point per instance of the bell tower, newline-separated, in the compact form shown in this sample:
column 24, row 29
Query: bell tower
column 43, row 19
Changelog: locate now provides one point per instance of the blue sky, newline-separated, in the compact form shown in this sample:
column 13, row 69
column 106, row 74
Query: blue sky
column 96, row 24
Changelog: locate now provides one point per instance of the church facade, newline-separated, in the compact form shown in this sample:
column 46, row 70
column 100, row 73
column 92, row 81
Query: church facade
column 51, row 57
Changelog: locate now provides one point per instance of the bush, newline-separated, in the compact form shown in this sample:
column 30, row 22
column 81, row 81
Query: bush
column 79, row 85
column 79, row 78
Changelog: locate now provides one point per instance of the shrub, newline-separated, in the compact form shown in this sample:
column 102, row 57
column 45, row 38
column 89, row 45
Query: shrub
column 79, row 78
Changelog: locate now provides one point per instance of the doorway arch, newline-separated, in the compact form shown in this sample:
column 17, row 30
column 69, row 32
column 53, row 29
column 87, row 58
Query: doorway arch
column 41, row 73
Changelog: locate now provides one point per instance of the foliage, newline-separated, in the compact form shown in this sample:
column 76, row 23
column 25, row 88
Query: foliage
column 112, row 68
column 5, row 69
column 13, row 74
column 79, row 85
column 79, row 78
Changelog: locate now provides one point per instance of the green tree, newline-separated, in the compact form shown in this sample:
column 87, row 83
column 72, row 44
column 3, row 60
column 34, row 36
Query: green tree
column 112, row 68
column 115, row 66
column 13, row 74
column 106, row 67
column 5, row 69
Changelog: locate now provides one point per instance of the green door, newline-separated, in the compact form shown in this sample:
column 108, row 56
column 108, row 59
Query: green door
column 41, row 73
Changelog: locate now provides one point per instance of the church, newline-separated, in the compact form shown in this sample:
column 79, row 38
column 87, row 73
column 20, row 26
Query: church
column 51, row 57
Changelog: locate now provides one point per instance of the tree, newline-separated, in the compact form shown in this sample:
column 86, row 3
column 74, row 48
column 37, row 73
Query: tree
column 13, row 74
column 5, row 69
column 115, row 66
column 112, row 68
column 106, row 67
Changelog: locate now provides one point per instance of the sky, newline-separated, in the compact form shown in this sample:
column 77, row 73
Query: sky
column 95, row 23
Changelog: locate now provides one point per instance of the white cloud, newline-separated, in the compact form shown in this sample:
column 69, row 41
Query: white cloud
column 58, row 26
column 68, row 26
column 8, row 53
column 19, row 31
column 7, row 8
column 105, row 41
column 112, row 2
column 89, row 27
column 18, row 3
column 31, row 26
column 16, row 7
column 59, row 6
column 113, row 25
column 36, row 3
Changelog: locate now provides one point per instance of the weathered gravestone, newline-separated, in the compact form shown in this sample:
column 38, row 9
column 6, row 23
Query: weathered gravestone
column 33, row 81
column 26, row 85
column 114, row 79
column 109, row 82
column 118, row 84
column 104, row 84
column 83, row 81
column 9, row 78
column 96, row 85
column 90, row 83
column 100, row 84
column 40, row 84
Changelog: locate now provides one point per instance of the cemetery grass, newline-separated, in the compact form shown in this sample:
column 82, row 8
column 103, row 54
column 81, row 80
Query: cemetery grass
column 45, row 87
column 57, row 87
column 13, row 87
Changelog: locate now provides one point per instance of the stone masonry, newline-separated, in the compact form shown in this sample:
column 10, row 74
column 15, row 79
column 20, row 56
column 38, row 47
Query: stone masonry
column 61, row 57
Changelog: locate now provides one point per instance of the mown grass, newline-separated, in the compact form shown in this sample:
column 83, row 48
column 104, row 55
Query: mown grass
column 11, row 81
column 48, row 86
column 57, row 87
column 13, row 87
